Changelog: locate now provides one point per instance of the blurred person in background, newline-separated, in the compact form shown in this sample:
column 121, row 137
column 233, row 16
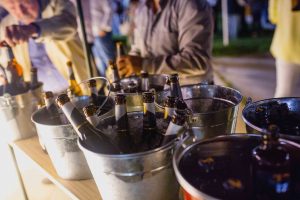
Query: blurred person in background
column 171, row 36
column 3, row 13
column 43, row 34
column 102, row 26
column 285, row 14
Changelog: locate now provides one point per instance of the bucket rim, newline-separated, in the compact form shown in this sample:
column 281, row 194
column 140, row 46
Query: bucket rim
column 166, row 147
column 257, row 103
column 178, row 154
column 239, row 99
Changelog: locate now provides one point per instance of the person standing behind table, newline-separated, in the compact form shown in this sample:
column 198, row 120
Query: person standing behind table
column 43, row 34
column 172, row 36
column 286, row 45
column 104, row 47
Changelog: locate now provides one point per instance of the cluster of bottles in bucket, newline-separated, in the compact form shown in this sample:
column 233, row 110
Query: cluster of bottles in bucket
column 11, row 74
column 269, row 173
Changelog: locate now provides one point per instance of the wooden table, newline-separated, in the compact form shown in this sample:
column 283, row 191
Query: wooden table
column 79, row 190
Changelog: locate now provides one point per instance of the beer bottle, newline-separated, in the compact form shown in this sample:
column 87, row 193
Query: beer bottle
column 176, row 125
column 115, row 73
column 175, row 128
column 74, row 88
column 149, row 118
column 88, row 134
column 175, row 88
column 167, row 83
column 90, row 113
column 92, row 85
column 120, row 50
column 116, row 87
column 13, row 72
column 170, row 107
column 271, row 168
column 56, row 115
column 132, row 87
column 34, row 78
column 124, row 138
column 145, row 81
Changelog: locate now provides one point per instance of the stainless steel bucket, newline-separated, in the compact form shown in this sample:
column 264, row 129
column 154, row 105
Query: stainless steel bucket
column 15, row 114
column 148, row 175
column 61, row 144
column 237, row 149
column 204, row 122
column 249, row 115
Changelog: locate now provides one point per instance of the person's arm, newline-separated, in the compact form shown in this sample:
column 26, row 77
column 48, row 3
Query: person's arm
column 61, row 26
column 195, row 25
column 102, row 14
column 273, row 11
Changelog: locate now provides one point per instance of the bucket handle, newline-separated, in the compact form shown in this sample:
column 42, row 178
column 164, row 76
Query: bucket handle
column 248, row 101
column 95, row 78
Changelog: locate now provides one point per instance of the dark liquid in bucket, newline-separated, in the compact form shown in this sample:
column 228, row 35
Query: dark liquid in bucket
column 205, row 105
column 223, row 169
column 280, row 114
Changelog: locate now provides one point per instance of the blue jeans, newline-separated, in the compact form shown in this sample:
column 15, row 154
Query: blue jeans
column 103, row 50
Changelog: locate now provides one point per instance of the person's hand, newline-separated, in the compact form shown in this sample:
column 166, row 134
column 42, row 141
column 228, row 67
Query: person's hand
column 128, row 65
column 18, row 34
column 102, row 33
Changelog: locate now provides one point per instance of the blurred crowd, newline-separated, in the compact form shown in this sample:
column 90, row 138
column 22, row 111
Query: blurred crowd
column 245, row 17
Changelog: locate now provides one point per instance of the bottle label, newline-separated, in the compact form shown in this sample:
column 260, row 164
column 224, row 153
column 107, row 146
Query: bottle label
column 173, row 129
column 149, row 107
column 73, row 115
column 94, row 120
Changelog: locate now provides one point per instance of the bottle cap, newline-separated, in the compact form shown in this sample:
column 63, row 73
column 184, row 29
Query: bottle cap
column 90, row 110
column 62, row 99
column 144, row 74
column 48, row 95
column 173, row 78
column 34, row 69
column 69, row 63
column 120, row 99
column 148, row 97
column 92, row 83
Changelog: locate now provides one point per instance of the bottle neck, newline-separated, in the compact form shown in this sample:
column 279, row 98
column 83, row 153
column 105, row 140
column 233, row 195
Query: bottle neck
column 49, row 102
column 74, row 116
column 176, row 90
column 169, row 111
column 145, row 84
column 149, row 107
column 94, row 91
column 115, row 75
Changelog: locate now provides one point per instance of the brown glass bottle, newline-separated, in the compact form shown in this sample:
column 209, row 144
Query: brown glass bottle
column 145, row 81
column 15, row 83
column 34, row 83
column 115, row 73
column 93, row 138
column 90, row 113
column 271, row 168
column 175, row 88
column 92, row 85
column 56, row 115
column 169, row 107
column 74, row 88
column 124, row 139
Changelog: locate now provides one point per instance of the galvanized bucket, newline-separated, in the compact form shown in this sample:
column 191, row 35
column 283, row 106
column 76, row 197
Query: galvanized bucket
column 208, row 119
column 237, row 148
column 147, row 175
column 60, row 141
column 249, row 115
column 15, row 114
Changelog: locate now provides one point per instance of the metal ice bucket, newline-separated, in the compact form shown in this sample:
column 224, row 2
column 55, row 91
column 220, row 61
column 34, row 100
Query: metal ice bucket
column 15, row 114
column 237, row 147
column 249, row 115
column 60, row 141
column 203, row 122
column 147, row 175
column 134, row 101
